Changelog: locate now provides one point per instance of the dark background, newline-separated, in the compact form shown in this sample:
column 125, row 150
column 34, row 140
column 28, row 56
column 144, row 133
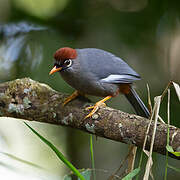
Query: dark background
column 146, row 34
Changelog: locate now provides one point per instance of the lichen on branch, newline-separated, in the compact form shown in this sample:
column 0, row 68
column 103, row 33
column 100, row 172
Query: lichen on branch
column 34, row 101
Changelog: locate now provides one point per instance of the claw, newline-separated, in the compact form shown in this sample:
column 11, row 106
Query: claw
column 90, row 107
column 96, row 106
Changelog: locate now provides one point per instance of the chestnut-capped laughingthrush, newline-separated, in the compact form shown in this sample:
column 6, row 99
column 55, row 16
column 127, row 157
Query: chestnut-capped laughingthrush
column 96, row 72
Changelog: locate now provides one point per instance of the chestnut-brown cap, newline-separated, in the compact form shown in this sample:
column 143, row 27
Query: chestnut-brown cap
column 65, row 53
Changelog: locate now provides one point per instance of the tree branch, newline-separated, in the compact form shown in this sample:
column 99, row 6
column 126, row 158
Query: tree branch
column 34, row 101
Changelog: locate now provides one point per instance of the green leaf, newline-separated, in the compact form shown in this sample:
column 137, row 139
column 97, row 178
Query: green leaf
column 176, row 153
column 170, row 149
column 174, row 168
column 132, row 174
column 58, row 153
column 92, row 156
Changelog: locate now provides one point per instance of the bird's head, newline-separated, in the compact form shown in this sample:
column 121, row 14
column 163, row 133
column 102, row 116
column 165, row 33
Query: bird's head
column 63, row 59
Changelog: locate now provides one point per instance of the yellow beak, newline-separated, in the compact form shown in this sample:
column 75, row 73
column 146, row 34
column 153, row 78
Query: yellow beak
column 54, row 69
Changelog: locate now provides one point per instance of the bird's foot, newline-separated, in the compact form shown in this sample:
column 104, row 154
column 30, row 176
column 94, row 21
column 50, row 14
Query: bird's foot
column 91, row 107
column 71, row 97
column 96, row 106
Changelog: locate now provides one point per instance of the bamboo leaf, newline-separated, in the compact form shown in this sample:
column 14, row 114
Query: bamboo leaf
column 132, row 174
column 58, row 153
column 170, row 149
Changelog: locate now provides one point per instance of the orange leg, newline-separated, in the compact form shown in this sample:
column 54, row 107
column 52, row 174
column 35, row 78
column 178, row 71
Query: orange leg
column 96, row 106
column 71, row 97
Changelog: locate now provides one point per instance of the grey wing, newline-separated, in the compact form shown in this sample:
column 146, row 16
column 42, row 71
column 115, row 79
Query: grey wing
column 108, row 67
column 117, row 79
column 122, row 73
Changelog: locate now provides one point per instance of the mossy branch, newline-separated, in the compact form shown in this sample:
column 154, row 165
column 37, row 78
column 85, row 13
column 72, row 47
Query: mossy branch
column 34, row 101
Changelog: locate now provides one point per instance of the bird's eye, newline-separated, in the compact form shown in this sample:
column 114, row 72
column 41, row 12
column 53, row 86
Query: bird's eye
column 68, row 62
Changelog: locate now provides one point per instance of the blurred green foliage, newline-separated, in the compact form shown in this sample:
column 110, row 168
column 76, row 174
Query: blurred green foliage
column 146, row 34
column 44, row 9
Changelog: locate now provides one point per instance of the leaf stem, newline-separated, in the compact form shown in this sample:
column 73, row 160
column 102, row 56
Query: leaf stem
column 92, row 156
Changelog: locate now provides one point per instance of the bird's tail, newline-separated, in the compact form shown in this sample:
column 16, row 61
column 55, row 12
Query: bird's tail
column 137, row 103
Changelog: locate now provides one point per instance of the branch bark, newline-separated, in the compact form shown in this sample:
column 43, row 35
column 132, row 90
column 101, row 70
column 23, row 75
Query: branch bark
column 34, row 101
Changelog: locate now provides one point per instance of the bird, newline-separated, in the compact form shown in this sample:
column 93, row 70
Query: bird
column 96, row 72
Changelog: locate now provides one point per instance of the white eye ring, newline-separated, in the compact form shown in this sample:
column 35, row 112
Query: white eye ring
column 68, row 62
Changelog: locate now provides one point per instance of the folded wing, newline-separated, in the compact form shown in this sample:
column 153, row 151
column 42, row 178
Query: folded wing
column 120, row 78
